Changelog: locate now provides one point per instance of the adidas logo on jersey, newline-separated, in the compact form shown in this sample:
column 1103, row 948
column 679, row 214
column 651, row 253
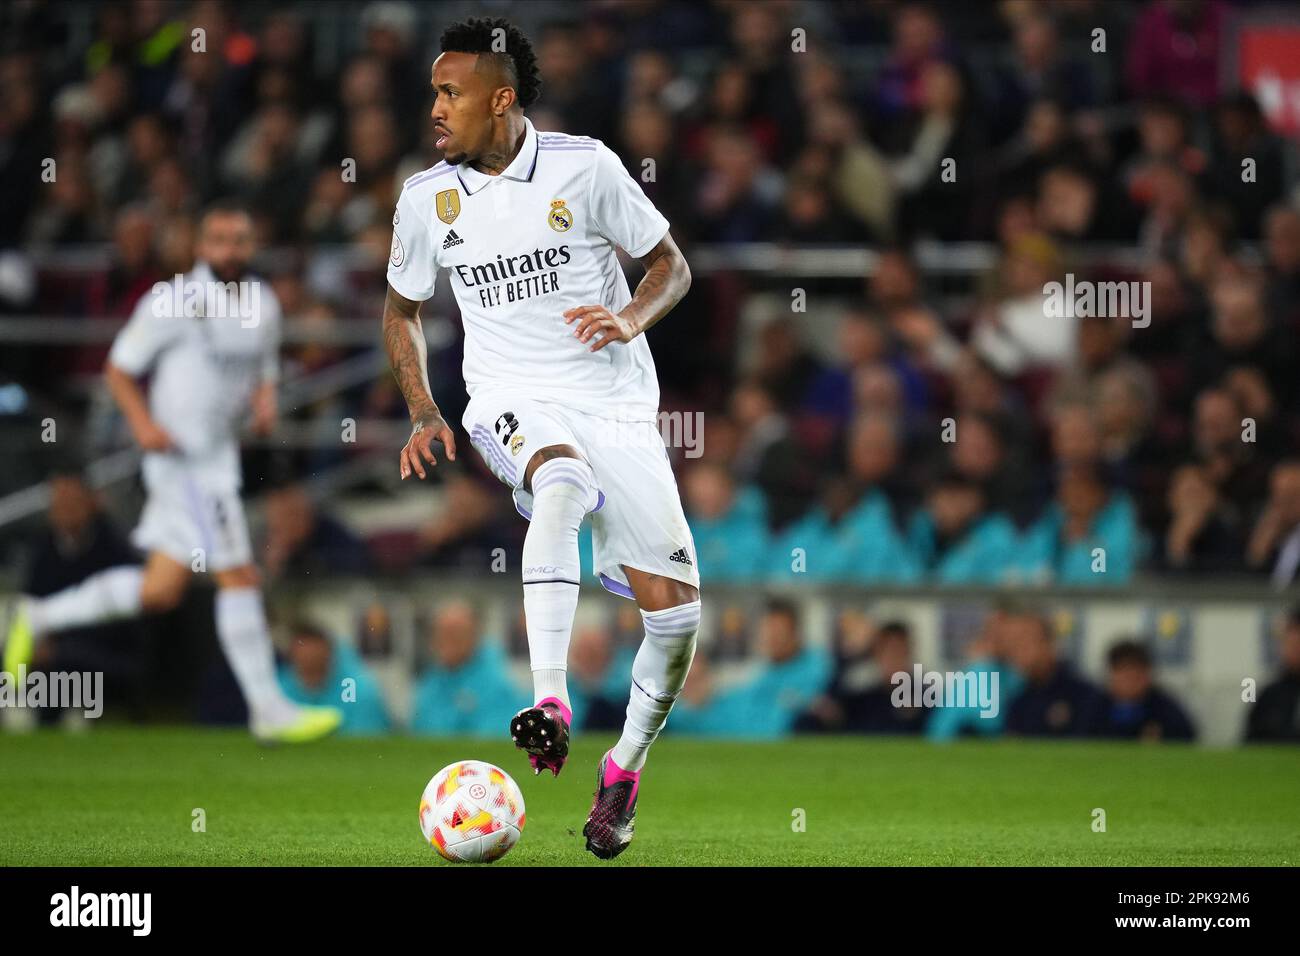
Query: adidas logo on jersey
column 452, row 239
column 681, row 557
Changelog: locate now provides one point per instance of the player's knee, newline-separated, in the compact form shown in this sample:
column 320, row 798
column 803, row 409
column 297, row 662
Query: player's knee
column 678, row 623
column 564, row 487
column 674, row 631
column 544, row 455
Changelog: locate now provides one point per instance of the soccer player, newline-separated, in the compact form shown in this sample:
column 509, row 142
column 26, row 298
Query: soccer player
column 563, row 394
column 210, row 340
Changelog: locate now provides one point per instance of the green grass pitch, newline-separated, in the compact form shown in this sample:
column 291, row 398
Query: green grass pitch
column 125, row 796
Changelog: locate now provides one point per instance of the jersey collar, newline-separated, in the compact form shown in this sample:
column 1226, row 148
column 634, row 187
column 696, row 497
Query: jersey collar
column 520, row 168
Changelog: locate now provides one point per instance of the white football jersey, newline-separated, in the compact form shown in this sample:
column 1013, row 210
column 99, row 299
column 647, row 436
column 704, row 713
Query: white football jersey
column 521, row 248
column 208, row 345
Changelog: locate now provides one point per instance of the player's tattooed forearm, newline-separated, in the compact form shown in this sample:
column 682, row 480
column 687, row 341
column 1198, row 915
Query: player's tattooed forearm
column 667, row 278
column 404, row 342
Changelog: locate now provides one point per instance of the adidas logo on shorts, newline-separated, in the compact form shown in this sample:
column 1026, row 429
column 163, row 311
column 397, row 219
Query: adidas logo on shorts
column 452, row 239
column 681, row 557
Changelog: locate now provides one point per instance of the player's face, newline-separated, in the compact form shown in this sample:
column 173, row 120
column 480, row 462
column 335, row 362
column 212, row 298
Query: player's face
column 226, row 244
column 462, row 107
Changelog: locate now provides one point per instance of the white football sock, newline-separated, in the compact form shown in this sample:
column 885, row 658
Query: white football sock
column 564, row 490
column 246, row 641
column 658, row 673
column 104, row 596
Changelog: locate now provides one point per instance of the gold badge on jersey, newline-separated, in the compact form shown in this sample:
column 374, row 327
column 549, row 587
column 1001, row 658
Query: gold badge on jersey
column 559, row 218
column 447, row 204
column 516, row 443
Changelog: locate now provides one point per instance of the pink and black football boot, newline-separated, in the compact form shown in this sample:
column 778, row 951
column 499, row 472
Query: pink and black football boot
column 542, row 732
column 613, row 814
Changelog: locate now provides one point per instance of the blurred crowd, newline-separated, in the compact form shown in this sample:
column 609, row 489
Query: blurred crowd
column 759, row 674
column 854, row 686
column 894, row 433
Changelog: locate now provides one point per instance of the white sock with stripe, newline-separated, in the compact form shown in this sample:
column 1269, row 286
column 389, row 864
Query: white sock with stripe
column 658, row 673
column 246, row 641
column 564, row 490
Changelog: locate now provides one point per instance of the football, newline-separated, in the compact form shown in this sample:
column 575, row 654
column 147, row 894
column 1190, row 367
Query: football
column 472, row 812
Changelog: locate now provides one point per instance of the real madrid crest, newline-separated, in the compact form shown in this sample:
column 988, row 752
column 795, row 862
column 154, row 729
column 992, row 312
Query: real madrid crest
column 560, row 218
column 516, row 443
column 447, row 205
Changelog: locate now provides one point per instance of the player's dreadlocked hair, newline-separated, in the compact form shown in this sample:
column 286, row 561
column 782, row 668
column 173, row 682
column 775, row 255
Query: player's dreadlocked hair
column 478, row 35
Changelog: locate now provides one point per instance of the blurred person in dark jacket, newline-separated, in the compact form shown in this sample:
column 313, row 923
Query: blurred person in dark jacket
column 1134, row 707
column 595, row 691
column 1203, row 532
column 302, row 539
column 870, row 709
column 1276, row 715
column 1055, row 701
column 1274, row 543
column 79, row 541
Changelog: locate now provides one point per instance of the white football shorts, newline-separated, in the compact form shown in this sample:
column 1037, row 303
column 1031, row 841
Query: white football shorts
column 638, row 520
column 185, row 520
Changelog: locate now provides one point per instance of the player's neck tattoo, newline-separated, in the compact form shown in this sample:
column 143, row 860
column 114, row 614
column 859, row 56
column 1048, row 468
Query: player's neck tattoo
column 500, row 155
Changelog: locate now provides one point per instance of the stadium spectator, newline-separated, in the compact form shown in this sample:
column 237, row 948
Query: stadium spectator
column 466, row 687
column 322, row 671
column 958, row 539
column 1282, row 259
column 464, row 530
column 1275, row 716
column 1088, row 536
column 1274, row 543
column 1243, row 333
column 1010, row 333
column 77, row 541
column 728, row 524
column 302, row 537
column 871, row 709
column 1054, row 701
column 1243, row 140
column 988, row 654
column 1175, row 50
column 789, row 675
column 1218, row 430
column 1204, row 533
column 596, row 690
column 1133, row 706
column 1041, row 68
column 854, row 535
column 694, row 714
column 766, row 456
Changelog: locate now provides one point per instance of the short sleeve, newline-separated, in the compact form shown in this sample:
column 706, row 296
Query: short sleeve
column 620, row 210
column 412, row 265
column 150, row 330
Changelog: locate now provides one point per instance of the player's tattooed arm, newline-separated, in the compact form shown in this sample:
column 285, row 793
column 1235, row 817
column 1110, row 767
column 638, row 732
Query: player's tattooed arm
column 408, row 356
column 667, row 278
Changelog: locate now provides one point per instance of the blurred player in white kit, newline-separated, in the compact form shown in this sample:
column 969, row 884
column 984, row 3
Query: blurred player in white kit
column 209, row 340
